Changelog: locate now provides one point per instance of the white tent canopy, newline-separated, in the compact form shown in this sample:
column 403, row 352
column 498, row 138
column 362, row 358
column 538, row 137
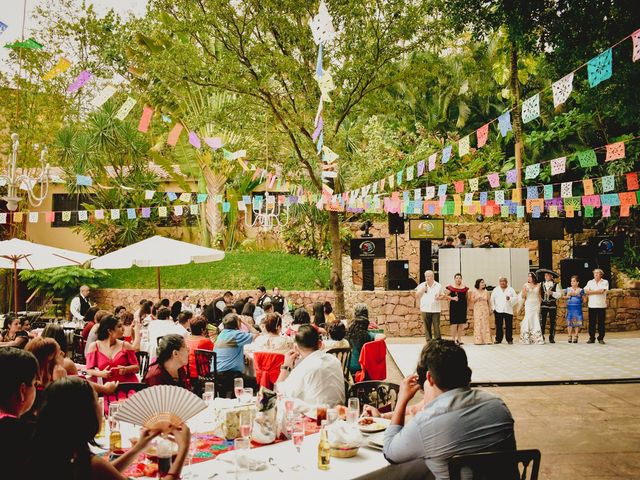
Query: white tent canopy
column 157, row 252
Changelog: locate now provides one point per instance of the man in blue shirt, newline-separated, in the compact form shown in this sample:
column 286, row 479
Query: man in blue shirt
column 229, row 349
column 455, row 419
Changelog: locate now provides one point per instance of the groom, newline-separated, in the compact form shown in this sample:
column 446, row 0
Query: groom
column 549, row 306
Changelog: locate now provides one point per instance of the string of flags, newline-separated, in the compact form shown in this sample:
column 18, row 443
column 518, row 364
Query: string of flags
column 599, row 69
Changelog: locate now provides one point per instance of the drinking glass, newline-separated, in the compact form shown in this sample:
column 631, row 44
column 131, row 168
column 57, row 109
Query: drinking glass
column 113, row 409
column 245, row 423
column 298, row 438
column 247, row 395
column 353, row 410
column 238, row 385
column 321, row 413
column 288, row 404
column 209, row 393
column 241, row 449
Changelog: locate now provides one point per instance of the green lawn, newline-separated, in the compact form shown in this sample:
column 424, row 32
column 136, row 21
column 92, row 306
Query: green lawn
column 238, row 270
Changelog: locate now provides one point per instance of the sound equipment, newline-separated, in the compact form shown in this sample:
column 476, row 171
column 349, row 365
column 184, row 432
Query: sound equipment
column 397, row 274
column 582, row 267
column 426, row 260
column 546, row 229
column 606, row 245
column 362, row 248
column 573, row 225
column 396, row 223
column 368, row 277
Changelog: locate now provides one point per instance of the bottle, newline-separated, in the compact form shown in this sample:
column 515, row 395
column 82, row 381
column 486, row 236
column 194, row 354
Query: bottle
column 115, row 438
column 324, row 450
column 163, row 448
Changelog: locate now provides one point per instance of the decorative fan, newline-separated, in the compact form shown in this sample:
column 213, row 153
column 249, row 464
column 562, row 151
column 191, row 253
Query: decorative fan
column 160, row 407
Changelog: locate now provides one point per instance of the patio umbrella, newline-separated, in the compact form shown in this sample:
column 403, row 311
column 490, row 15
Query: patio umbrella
column 19, row 254
column 157, row 252
column 541, row 271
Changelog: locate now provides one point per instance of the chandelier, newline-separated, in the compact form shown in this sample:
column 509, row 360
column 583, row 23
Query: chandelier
column 267, row 214
column 15, row 181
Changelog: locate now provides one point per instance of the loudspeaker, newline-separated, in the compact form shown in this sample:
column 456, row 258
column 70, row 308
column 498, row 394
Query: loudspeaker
column 573, row 225
column 582, row 267
column 397, row 274
column 396, row 223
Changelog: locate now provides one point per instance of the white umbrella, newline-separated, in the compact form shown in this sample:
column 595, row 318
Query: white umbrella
column 157, row 252
column 19, row 254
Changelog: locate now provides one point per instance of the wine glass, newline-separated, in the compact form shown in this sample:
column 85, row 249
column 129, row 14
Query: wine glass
column 241, row 447
column 245, row 423
column 113, row 409
column 353, row 410
column 247, row 395
column 298, row 438
column 238, row 385
column 288, row 405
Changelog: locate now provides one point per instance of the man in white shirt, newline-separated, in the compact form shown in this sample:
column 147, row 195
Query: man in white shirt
column 596, row 291
column 503, row 298
column 429, row 293
column 317, row 377
column 80, row 304
column 162, row 326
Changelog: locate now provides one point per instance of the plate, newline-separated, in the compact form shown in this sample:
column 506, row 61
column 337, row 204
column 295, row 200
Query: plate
column 378, row 425
column 376, row 441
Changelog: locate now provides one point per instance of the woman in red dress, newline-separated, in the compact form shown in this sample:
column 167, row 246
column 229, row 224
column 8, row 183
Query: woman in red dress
column 109, row 357
column 198, row 340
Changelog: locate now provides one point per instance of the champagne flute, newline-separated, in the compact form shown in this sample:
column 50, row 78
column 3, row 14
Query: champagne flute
column 238, row 386
column 209, row 393
column 245, row 423
column 298, row 438
column 353, row 410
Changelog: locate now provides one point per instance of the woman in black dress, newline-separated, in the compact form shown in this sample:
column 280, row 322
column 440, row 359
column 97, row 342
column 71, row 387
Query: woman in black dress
column 457, row 296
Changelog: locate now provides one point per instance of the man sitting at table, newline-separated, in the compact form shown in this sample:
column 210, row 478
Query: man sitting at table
column 455, row 420
column 317, row 377
column 163, row 325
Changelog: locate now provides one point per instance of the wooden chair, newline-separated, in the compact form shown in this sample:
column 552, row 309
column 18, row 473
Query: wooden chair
column 204, row 360
column 123, row 391
column 344, row 355
column 77, row 349
column 382, row 395
column 143, row 361
column 496, row 465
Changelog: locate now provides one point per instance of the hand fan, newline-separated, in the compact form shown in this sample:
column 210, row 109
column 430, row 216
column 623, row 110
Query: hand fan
column 160, row 407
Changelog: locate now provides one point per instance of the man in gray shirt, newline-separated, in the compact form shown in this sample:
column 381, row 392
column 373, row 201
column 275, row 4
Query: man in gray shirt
column 455, row 419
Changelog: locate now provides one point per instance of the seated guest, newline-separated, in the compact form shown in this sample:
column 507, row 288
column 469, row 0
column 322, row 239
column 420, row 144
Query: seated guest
column 109, row 357
column 55, row 331
column 50, row 360
column 267, row 308
column 146, row 313
column 329, row 316
column 25, row 323
column 184, row 320
column 160, row 327
column 67, row 424
column 201, row 304
column 455, row 420
column 230, row 353
column 176, row 308
column 128, row 321
column 487, row 242
column 89, row 319
column 463, row 242
column 448, row 243
column 359, row 334
column 12, row 334
column 337, row 332
column 270, row 339
column 301, row 317
column 317, row 377
column 17, row 394
column 119, row 311
column 318, row 315
column 93, row 333
column 173, row 354
column 197, row 340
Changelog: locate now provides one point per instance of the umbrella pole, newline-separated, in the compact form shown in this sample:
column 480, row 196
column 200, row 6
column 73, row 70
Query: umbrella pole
column 158, row 281
column 15, row 287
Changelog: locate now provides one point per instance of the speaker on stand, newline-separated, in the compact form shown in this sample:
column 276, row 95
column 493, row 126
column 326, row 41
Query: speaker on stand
column 396, row 227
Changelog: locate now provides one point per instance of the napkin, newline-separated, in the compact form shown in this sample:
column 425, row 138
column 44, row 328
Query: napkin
column 345, row 433
column 245, row 460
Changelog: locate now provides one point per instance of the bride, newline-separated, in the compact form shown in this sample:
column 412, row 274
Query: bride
column 530, row 332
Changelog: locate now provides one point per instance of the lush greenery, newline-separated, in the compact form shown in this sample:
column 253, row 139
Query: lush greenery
column 63, row 282
column 238, row 270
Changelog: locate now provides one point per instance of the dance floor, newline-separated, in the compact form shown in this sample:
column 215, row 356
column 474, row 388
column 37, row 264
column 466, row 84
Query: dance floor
column 560, row 362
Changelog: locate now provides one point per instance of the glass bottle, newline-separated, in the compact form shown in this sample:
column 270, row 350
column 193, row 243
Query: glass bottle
column 324, row 450
column 115, row 437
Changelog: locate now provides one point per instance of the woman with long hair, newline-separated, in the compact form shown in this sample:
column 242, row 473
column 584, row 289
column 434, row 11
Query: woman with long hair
column 89, row 319
column 55, row 331
column 50, row 360
column 109, row 357
column 197, row 340
column 172, row 355
column 12, row 334
column 457, row 297
column 329, row 316
column 481, row 311
column 358, row 334
column 530, row 332
column 318, row 314
column 67, row 424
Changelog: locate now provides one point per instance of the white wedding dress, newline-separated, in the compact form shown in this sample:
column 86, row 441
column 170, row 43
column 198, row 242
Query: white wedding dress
column 530, row 332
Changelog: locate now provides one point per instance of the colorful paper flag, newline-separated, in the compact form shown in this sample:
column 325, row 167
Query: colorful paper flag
column 498, row 196
column 148, row 194
column 504, row 123
column 103, row 95
column 587, row 158
column 473, row 184
column 459, row 186
column 84, row 181
column 146, row 212
column 494, row 179
column 606, row 211
column 131, row 213
column 558, row 165
column 608, row 183
column 442, row 190
column 532, row 192
column 316, row 132
column 115, row 214
column 80, row 80
column 145, row 119
column 548, row 192
column 174, row 134
column 446, row 154
column 3, row 27
column 562, row 89
column 194, row 140
column 566, row 189
column 420, row 168
column 482, row 133
column 511, row 176
column 632, row 181
column 615, row 151
column 125, row 108
column 322, row 26
column 532, row 171
column 60, row 67
column 463, row 146
column 635, row 39
column 432, row 161
column 33, row 217
column 599, row 68
column 30, row 44
column 430, row 192
column 587, row 186
column 531, row 108
column 162, row 211
column 214, row 142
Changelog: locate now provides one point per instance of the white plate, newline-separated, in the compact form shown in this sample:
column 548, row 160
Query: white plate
column 378, row 425
column 376, row 441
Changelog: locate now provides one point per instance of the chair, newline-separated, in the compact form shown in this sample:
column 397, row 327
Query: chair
column 143, row 361
column 77, row 349
column 496, row 465
column 123, row 391
column 267, row 366
column 344, row 355
column 382, row 395
column 373, row 359
column 204, row 360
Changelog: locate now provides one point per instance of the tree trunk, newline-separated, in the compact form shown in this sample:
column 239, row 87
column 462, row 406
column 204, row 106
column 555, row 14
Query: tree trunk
column 517, row 115
column 214, row 184
column 336, row 261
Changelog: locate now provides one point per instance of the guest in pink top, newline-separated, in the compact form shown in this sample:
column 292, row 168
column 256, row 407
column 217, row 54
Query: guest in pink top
column 109, row 357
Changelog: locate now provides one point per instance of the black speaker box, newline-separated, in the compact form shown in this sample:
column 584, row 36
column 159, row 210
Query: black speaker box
column 396, row 223
column 573, row 225
column 582, row 267
column 397, row 274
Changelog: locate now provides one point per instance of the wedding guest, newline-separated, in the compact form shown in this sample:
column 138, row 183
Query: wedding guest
column 201, row 304
column 278, row 300
column 89, row 318
column 318, row 314
column 186, row 304
column 596, row 292
column 329, row 316
column 487, row 242
column 173, row 354
column 55, row 331
column 481, row 310
column 184, row 321
column 503, row 298
column 119, row 311
column 80, row 304
column 300, row 317
column 448, row 243
column 271, row 338
column 229, row 348
column 574, row 295
column 128, row 324
column 456, row 294
column 93, row 333
column 12, row 333
column 549, row 308
column 176, row 308
column 456, row 419
column 337, row 334
column 429, row 293
column 463, row 242
column 197, row 340
column 160, row 327
column 262, row 296
column 530, row 332
column 358, row 334
column 67, row 424
column 137, row 314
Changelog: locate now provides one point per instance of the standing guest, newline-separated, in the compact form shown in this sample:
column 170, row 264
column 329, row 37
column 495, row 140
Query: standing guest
column 93, row 333
column 463, row 242
column 278, row 301
column 214, row 310
column 173, row 354
column 329, row 316
column 129, row 330
column 574, row 295
column 50, row 360
column 230, row 353
column 358, row 334
column 448, row 243
column 271, row 338
column 503, row 298
column 530, row 332
column 480, row 301
column 317, row 377
column 162, row 326
column 17, row 394
column 201, row 304
column 176, row 308
column 119, row 311
column 55, row 331
column 596, row 292
column 80, row 304
column 262, row 296
column 456, row 419
column 429, row 293
column 12, row 334
column 137, row 314
column 487, row 242
column 197, row 340
column 68, row 422
column 318, row 314
column 549, row 308
column 337, row 333
column 457, row 296
column 109, row 357
column 89, row 317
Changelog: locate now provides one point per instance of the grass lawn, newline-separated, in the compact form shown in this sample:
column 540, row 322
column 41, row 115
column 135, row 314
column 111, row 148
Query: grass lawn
column 238, row 270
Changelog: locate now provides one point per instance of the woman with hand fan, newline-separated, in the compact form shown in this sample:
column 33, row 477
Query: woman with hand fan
column 68, row 422
column 173, row 354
